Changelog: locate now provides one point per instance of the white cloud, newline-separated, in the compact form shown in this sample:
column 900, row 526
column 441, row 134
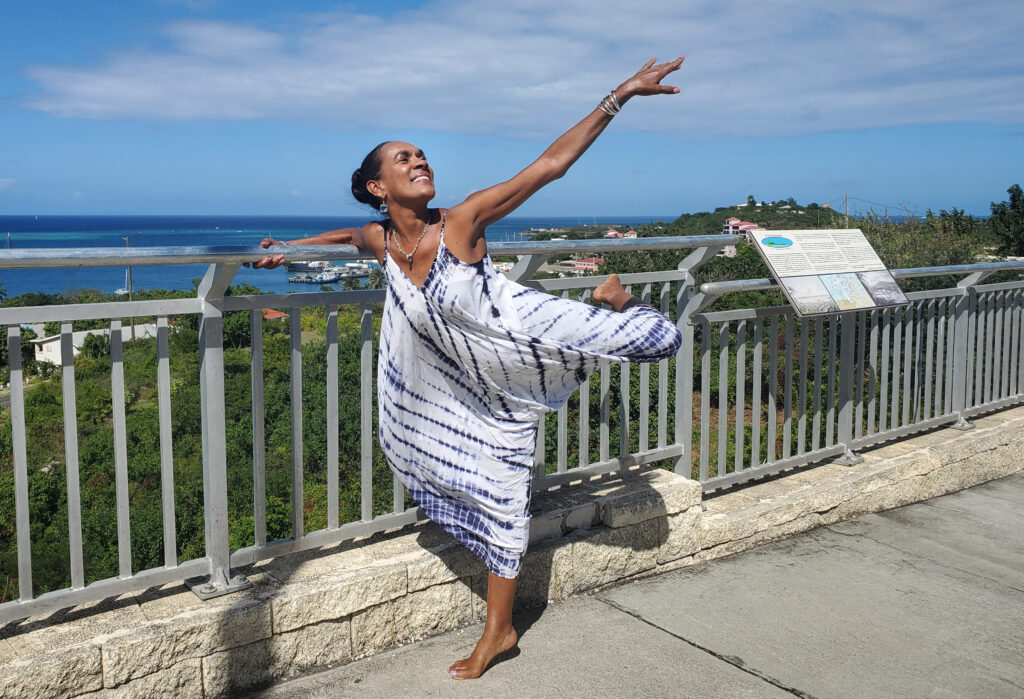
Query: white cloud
column 6, row 182
column 753, row 69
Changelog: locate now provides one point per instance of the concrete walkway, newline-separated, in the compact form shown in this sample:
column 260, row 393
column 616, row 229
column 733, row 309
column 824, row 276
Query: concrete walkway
column 923, row 601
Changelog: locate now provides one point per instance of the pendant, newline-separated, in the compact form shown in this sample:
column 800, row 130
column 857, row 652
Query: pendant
column 408, row 258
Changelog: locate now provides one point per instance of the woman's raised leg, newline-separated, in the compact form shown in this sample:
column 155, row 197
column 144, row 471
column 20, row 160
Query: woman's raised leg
column 498, row 635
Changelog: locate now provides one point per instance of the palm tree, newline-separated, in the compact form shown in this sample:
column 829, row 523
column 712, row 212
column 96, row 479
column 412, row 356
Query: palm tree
column 376, row 279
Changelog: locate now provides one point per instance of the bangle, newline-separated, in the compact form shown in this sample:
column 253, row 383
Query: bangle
column 610, row 104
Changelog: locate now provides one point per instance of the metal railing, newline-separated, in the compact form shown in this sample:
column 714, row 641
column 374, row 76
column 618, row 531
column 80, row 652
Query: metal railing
column 786, row 391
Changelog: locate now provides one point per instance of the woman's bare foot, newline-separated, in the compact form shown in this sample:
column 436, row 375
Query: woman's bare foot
column 491, row 645
column 612, row 292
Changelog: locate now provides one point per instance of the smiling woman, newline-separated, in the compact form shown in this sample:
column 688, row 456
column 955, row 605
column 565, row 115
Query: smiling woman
column 469, row 361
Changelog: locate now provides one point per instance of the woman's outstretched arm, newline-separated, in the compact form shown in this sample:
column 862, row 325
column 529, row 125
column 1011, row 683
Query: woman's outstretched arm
column 467, row 221
column 365, row 238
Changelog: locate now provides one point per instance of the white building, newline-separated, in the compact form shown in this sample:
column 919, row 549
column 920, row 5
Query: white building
column 48, row 348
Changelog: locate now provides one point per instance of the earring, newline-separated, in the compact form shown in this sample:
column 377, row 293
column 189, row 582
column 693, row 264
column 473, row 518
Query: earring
column 384, row 205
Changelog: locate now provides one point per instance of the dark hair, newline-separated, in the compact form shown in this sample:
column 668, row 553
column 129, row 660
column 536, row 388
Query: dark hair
column 369, row 170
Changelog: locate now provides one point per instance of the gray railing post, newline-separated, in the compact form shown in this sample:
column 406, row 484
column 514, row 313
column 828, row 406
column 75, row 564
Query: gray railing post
column 962, row 347
column 215, row 480
column 689, row 300
column 846, row 366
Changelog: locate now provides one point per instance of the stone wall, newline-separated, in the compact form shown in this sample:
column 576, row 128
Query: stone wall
column 319, row 609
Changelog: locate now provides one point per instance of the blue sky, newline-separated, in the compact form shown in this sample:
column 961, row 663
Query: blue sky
column 232, row 107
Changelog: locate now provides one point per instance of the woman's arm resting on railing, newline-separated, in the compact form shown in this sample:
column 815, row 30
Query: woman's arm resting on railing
column 467, row 221
column 363, row 238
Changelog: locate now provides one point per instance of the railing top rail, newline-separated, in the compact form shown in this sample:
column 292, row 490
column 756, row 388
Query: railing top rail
column 108, row 257
column 763, row 284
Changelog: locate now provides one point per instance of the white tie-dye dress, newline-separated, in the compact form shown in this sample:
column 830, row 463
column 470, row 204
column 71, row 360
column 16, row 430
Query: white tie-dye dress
column 468, row 364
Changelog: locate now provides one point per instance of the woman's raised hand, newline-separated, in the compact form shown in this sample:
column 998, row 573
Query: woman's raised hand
column 647, row 80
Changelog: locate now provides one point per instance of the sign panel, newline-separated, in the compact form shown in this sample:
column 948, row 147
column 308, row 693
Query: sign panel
column 828, row 271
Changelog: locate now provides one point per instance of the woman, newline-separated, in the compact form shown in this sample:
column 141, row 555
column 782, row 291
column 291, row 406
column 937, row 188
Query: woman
column 470, row 361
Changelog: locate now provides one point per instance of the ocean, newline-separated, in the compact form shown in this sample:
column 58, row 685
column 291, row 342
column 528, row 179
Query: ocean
column 75, row 232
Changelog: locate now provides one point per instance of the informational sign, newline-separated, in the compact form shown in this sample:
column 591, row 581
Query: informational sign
column 828, row 271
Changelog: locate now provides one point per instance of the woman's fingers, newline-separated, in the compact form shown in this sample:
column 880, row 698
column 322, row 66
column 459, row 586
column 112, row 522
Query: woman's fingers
column 649, row 63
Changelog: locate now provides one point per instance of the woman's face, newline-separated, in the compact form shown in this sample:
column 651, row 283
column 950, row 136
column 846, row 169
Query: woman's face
column 405, row 176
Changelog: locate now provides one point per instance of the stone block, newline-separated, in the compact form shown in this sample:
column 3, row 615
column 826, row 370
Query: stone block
column 156, row 646
column 647, row 498
column 546, row 575
column 182, row 681
column 601, row 556
column 432, row 611
column 65, row 673
column 373, row 630
column 337, row 596
column 442, row 564
column 309, row 649
column 684, row 535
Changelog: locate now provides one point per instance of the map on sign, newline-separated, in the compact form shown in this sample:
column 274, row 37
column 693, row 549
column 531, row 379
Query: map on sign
column 828, row 271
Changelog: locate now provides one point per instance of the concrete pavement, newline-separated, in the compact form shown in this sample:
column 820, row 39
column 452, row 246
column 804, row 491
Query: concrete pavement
column 924, row 600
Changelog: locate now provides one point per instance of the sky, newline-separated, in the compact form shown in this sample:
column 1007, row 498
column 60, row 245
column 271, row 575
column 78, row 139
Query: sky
column 257, row 107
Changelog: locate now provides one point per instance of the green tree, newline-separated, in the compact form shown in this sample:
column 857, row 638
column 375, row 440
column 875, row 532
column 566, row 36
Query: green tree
column 95, row 346
column 376, row 279
column 1007, row 221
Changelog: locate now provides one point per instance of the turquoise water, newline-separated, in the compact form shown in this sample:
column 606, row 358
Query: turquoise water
column 75, row 232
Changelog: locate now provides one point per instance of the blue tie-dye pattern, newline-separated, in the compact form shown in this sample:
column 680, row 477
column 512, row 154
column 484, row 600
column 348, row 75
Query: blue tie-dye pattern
column 469, row 362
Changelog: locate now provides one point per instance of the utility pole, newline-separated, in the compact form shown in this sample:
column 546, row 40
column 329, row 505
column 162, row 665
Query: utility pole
column 847, row 199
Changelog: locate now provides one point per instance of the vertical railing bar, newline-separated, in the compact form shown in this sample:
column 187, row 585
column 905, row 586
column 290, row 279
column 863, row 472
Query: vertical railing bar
column 883, row 372
column 20, row 457
column 990, row 313
column 163, row 372
column 124, row 542
column 929, row 310
column 819, row 346
column 951, row 354
column 897, row 366
column 562, row 457
column 848, row 346
column 939, row 402
column 1007, row 336
column 801, row 447
column 872, row 379
column 978, row 347
column 584, row 420
column 741, row 384
column 919, row 340
column 755, row 398
column 298, row 497
column 366, row 412
column 605, row 397
column 995, row 349
column 723, row 398
column 830, row 398
column 773, row 388
column 787, row 398
column 331, row 328
column 540, row 450
column 908, row 365
column 682, row 408
column 860, row 330
column 259, row 447
column 1014, row 342
column 644, row 424
column 705, row 397
column 67, row 360
column 624, row 421
column 663, row 379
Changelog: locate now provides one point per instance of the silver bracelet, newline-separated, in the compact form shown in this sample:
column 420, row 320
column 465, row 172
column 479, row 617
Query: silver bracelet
column 610, row 104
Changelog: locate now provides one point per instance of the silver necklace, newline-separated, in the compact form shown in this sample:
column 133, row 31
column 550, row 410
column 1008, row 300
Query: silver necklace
column 408, row 255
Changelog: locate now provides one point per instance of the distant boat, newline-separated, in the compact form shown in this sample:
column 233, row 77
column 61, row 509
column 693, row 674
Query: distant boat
column 123, row 291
